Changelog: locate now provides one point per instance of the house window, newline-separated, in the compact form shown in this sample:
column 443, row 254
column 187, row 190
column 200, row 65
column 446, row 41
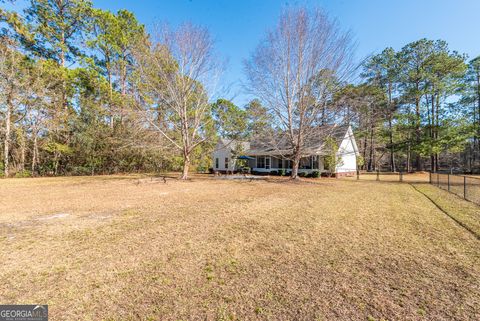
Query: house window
column 289, row 164
column 226, row 162
column 267, row 162
column 260, row 161
column 216, row 163
column 280, row 163
column 305, row 163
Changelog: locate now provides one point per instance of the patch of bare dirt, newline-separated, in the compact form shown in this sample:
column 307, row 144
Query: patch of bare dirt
column 134, row 248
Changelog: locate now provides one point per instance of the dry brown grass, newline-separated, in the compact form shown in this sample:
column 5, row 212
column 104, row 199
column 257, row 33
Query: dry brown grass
column 421, row 177
column 467, row 214
column 129, row 248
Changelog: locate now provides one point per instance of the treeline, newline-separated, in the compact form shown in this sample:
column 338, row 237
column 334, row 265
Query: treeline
column 417, row 109
column 87, row 91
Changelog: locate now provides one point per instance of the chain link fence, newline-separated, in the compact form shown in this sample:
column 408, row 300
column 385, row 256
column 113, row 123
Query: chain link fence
column 467, row 187
column 464, row 186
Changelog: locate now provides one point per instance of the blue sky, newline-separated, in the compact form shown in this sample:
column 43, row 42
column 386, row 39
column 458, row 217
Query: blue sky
column 238, row 25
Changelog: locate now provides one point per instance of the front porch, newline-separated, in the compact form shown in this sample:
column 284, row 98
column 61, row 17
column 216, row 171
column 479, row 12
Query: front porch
column 265, row 164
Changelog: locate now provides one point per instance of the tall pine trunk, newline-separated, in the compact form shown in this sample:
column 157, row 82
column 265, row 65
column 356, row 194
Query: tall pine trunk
column 431, row 123
column 35, row 154
column 6, row 146
column 110, row 95
column 478, row 115
column 371, row 158
column 392, row 148
column 365, row 144
column 418, row 158
column 436, row 127
column 23, row 148
column 390, row 129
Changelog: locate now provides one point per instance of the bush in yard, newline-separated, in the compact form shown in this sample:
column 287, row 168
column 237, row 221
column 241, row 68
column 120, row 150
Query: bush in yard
column 315, row 174
column 331, row 160
column 281, row 172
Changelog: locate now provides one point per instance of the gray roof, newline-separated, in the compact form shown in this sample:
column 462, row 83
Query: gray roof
column 279, row 144
column 233, row 144
column 314, row 142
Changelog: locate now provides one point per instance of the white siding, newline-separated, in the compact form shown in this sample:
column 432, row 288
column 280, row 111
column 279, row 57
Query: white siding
column 221, row 152
column 347, row 153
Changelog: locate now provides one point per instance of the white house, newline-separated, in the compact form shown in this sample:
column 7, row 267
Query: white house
column 264, row 157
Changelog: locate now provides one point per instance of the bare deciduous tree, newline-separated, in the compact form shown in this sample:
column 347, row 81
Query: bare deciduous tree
column 295, row 70
column 177, row 74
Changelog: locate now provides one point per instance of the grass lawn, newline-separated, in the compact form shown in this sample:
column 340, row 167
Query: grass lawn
column 130, row 248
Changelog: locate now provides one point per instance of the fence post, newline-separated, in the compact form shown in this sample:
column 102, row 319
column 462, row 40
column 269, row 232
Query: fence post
column 438, row 179
column 358, row 174
column 401, row 176
column 465, row 187
column 430, row 177
column 448, row 180
column 378, row 175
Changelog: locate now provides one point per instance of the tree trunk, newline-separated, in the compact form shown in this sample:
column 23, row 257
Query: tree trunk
column 34, row 154
column 436, row 127
column 391, row 110
column 55, row 162
column 431, row 124
column 6, row 149
column 409, row 158
column 365, row 144
column 473, row 151
column 418, row 159
column 63, row 61
column 123, row 83
column 392, row 149
column 110, row 99
column 477, row 150
column 186, row 166
column 295, row 165
column 22, row 152
column 371, row 158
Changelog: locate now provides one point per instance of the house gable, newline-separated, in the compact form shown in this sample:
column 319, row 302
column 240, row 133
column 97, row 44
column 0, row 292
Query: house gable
column 222, row 154
column 347, row 153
